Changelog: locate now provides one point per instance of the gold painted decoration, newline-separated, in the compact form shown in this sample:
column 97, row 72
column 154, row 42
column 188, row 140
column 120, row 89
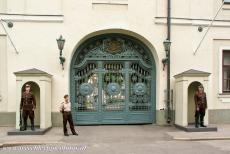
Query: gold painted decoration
column 113, row 46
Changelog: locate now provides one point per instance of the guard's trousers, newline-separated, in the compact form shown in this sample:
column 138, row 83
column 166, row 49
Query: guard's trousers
column 26, row 114
column 199, row 115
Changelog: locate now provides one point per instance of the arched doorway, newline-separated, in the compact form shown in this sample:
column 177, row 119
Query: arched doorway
column 193, row 87
column 36, row 91
column 113, row 81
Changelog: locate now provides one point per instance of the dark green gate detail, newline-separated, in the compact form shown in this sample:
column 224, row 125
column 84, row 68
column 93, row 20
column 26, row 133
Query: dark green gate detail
column 113, row 81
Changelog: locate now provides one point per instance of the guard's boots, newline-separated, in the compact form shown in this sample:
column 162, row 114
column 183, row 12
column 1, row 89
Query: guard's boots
column 202, row 121
column 24, row 126
column 197, row 122
column 32, row 126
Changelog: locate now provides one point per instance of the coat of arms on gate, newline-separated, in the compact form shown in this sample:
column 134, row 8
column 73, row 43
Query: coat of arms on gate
column 113, row 46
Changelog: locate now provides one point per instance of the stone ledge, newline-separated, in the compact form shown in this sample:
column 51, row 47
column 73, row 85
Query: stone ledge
column 37, row 131
column 32, row 18
column 200, row 129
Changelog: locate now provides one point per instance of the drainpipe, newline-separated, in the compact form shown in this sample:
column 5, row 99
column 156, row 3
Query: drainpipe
column 168, row 67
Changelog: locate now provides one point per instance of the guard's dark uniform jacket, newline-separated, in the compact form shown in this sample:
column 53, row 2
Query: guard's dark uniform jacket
column 200, row 107
column 200, row 100
column 27, row 105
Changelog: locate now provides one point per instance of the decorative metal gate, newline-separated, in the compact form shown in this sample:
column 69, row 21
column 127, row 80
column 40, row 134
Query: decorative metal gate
column 113, row 81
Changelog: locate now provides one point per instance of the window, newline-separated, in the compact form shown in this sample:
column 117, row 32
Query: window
column 226, row 71
column 226, row 1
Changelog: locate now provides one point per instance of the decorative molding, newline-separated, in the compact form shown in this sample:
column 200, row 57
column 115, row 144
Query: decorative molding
column 226, row 7
column 192, row 21
column 192, row 73
column 32, row 18
column 177, row 81
column 224, row 98
column 130, row 51
column 110, row 2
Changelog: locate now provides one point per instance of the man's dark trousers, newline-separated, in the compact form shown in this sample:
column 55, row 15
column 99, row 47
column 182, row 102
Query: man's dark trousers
column 67, row 116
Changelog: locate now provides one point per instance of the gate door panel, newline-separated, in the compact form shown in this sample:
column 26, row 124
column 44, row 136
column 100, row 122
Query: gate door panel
column 113, row 82
column 87, row 93
column 140, row 93
column 113, row 93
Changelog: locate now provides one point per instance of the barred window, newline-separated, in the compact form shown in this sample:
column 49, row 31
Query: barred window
column 226, row 71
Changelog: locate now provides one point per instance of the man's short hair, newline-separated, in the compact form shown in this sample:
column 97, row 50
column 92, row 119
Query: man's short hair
column 65, row 96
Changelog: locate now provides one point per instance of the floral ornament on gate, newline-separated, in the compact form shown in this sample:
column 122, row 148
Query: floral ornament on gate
column 139, row 89
column 86, row 89
column 113, row 89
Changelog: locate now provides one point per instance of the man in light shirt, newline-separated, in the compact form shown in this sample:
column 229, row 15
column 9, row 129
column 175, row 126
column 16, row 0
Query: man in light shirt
column 65, row 109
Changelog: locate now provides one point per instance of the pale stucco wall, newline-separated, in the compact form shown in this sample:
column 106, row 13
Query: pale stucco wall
column 35, row 33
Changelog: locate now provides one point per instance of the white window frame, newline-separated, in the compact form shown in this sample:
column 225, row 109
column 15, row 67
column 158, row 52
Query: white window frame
column 221, row 67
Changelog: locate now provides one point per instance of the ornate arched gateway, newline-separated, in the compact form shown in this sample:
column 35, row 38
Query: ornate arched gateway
column 113, row 81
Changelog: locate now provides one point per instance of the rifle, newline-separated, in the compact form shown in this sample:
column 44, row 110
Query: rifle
column 20, row 122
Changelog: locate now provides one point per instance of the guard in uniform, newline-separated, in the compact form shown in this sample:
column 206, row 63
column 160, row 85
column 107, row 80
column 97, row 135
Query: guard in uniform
column 28, row 105
column 65, row 109
column 200, row 105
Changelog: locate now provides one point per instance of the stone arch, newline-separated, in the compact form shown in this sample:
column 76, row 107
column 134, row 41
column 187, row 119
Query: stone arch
column 142, row 52
column 127, row 32
column 130, row 33
column 192, row 88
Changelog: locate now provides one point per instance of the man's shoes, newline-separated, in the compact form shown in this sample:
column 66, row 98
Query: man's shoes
column 21, row 129
column 66, row 134
column 202, row 125
column 197, row 126
column 24, row 128
column 32, row 128
column 75, row 134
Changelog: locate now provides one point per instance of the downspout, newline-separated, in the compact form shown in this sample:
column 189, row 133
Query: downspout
column 168, row 67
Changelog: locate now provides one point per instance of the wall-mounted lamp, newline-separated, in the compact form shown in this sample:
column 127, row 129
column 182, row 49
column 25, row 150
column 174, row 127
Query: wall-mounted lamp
column 61, row 43
column 167, row 45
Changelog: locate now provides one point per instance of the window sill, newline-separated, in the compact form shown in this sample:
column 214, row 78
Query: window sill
column 224, row 97
column 224, row 94
column 226, row 7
